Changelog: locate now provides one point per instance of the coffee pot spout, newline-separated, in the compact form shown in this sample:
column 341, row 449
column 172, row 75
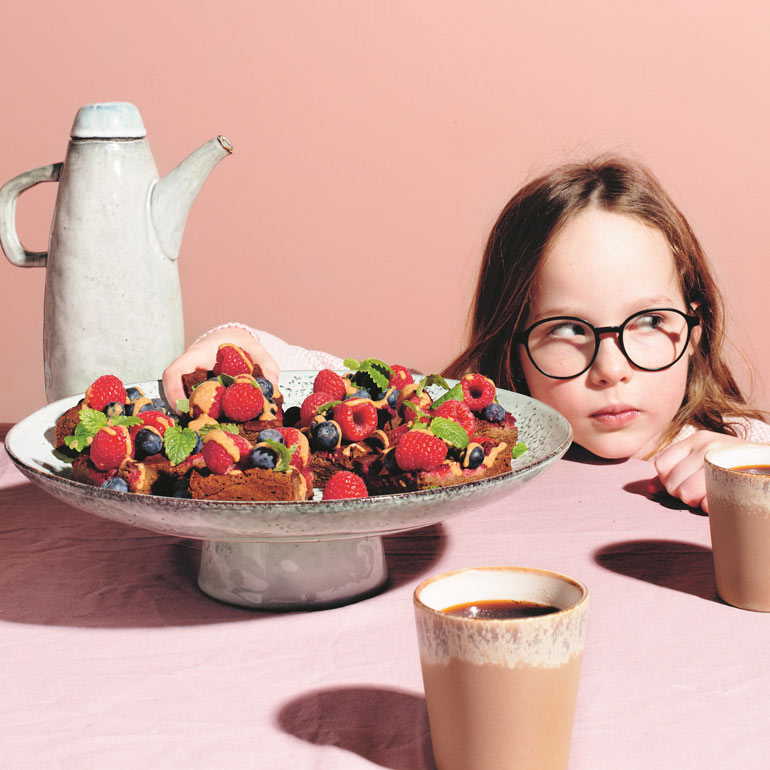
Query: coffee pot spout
column 173, row 195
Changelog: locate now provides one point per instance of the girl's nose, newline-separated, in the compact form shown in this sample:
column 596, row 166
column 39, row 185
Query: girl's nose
column 611, row 365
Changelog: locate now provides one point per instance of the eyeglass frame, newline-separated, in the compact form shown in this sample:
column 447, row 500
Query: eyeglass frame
column 522, row 337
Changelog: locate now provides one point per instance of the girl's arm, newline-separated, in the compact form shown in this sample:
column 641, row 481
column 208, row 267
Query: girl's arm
column 681, row 466
column 271, row 353
column 203, row 352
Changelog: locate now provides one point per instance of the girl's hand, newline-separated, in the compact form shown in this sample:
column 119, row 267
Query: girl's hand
column 681, row 466
column 203, row 354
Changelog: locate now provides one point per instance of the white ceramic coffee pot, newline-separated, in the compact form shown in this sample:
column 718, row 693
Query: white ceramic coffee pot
column 113, row 302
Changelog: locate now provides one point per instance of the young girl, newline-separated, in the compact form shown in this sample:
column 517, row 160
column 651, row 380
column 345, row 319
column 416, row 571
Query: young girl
column 595, row 297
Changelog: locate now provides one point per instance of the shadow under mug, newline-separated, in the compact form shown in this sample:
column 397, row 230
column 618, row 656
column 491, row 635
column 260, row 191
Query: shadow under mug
column 739, row 520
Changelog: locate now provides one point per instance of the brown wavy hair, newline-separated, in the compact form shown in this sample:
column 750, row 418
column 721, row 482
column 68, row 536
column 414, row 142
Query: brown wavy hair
column 511, row 262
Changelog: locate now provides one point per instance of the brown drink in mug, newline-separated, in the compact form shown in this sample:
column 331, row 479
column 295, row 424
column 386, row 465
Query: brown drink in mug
column 501, row 679
column 738, row 491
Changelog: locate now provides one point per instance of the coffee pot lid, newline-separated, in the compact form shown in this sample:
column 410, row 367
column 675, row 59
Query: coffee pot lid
column 108, row 120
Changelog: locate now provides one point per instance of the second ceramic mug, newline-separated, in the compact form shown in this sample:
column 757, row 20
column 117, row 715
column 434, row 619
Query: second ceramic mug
column 739, row 518
column 501, row 692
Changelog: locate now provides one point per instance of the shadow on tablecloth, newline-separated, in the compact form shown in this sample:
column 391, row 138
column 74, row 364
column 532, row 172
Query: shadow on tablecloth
column 685, row 567
column 62, row 566
column 389, row 728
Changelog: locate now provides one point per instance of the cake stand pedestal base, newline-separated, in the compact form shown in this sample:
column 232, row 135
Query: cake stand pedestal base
column 292, row 575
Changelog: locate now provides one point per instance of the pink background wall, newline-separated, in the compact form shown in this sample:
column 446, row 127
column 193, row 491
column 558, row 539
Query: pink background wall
column 375, row 143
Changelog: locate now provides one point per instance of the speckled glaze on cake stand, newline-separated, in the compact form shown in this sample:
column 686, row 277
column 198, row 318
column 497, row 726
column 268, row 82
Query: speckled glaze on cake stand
column 288, row 555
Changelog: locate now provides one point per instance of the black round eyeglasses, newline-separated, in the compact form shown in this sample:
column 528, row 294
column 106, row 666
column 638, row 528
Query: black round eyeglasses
column 564, row 347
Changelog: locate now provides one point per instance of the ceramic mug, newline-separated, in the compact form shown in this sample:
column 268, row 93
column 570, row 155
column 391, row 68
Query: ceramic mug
column 500, row 692
column 738, row 495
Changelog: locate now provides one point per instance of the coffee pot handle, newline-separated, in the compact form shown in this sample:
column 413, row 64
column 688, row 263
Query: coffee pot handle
column 9, row 193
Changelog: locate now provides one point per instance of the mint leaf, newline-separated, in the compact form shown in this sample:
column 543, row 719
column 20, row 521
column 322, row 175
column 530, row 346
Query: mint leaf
column 80, row 439
column 183, row 405
column 453, row 394
column 376, row 371
column 179, row 443
column 419, row 414
column 432, row 379
column 226, row 379
column 284, row 455
column 127, row 421
column 327, row 407
column 518, row 450
column 450, row 431
column 92, row 420
column 227, row 427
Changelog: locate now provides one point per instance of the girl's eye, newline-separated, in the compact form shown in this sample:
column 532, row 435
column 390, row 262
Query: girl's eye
column 567, row 330
column 648, row 322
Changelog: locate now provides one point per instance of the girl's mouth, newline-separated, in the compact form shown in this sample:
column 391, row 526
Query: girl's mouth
column 615, row 416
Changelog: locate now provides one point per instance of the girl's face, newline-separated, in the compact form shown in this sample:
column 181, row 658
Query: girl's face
column 602, row 267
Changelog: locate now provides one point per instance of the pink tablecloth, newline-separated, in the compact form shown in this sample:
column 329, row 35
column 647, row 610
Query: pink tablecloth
column 110, row 657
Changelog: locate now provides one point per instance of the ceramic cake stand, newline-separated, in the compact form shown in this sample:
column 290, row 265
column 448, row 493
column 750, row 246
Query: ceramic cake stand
column 288, row 555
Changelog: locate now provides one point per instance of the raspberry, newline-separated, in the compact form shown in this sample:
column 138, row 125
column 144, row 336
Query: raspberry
column 357, row 418
column 110, row 447
column 242, row 401
column 222, row 451
column 478, row 391
column 104, row 390
column 232, row 360
column 409, row 394
column 308, row 410
column 343, row 485
column 401, row 376
column 292, row 437
column 420, row 450
column 156, row 420
column 458, row 411
column 328, row 381
column 207, row 399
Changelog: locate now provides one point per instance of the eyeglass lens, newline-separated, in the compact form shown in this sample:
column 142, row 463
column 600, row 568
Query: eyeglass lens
column 565, row 347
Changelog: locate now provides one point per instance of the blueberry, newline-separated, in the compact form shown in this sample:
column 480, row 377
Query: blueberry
column 116, row 484
column 161, row 406
column 475, row 457
column 181, row 487
column 493, row 413
column 291, row 416
column 147, row 408
column 391, row 394
column 262, row 457
column 324, row 436
column 360, row 393
column 146, row 443
column 270, row 434
column 114, row 409
column 391, row 466
column 133, row 393
column 198, row 444
column 265, row 386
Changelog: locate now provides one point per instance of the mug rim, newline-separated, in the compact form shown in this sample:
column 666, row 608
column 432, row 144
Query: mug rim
column 711, row 456
column 577, row 606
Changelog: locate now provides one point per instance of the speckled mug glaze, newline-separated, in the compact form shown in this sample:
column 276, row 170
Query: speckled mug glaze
column 739, row 519
column 501, row 693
